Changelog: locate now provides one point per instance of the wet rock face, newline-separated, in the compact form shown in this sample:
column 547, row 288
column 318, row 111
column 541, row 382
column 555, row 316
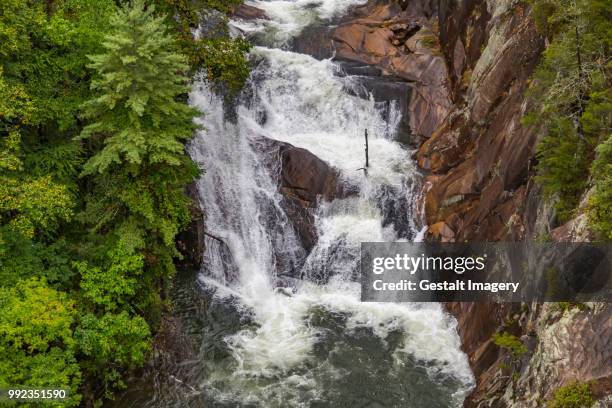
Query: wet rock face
column 402, row 42
column 480, row 187
column 480, row 157
column 315, row 41
column 304, row 180
column 478, row 162
column 246, row 12
column 190, row 242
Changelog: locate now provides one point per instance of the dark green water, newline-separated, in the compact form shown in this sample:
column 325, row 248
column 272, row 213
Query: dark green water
column 347, row 367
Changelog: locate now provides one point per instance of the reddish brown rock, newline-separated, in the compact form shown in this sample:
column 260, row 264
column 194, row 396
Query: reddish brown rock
column 402, row 44
column 306, row 177
column 246, row 12
column 304, row 180
column 482, row 150
column 446, row 147
column 441, row 232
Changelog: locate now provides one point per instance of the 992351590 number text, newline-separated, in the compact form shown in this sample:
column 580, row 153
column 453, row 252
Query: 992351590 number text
column 32, row 394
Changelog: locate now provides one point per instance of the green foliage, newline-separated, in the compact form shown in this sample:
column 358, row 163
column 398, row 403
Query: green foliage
column 192, row 11
column 61, row 161
column 600, row 205
column 29, row 204
column 36, row 343
column 112, row 343
column 44, row 52
column 111, row 287
column 224, row 61
column 221, row 56
column 544, row 14
column 565, row 306
column 574, row 395
column 34, row 316
column 140, row 125
column 93, row 124
column 563, row 166
column 571, row 93
column 33, row 205
column 22, row 258
column 511, row 343
column 222, row 5
column 138, row 79
column 15, row 109
column 114, row 337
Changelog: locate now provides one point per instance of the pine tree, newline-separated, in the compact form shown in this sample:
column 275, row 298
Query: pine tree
column 571, row 93
column 139, row 167
column 136, row 175
column 138, row 115
column 140, row 124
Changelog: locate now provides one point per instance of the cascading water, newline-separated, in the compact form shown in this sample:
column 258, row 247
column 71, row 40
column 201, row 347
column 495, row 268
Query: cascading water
column 313, row 344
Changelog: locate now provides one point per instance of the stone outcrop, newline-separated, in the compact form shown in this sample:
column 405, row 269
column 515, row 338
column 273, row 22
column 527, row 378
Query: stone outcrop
column 480, row 188
column 479, row 158
column 401, row 41
column 247, row 12
column 304, row 180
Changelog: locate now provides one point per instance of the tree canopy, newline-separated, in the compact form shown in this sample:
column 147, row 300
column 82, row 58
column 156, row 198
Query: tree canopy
column 93, row 124
column 572, row 96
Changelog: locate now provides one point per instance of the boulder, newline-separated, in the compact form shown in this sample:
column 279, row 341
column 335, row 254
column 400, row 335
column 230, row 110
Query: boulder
column 305, row 177
column 401, row 46
column 304, row 180
column 246, row 12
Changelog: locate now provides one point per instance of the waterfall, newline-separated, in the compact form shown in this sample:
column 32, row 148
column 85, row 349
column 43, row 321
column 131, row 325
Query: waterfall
column 311, row 342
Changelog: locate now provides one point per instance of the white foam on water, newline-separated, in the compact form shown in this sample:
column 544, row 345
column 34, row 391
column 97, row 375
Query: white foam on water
column 307, row 104
column 287, row 18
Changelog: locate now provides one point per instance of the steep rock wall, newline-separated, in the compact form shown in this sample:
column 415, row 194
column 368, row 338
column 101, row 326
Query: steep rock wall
column 480, row 187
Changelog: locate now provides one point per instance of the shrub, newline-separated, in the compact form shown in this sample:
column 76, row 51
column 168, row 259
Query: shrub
column 574, row 395
column 511, row 343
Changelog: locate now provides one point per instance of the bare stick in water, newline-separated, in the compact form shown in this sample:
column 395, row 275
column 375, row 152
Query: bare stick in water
column 367, row 163
column 366, row 149
column 208, row 234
